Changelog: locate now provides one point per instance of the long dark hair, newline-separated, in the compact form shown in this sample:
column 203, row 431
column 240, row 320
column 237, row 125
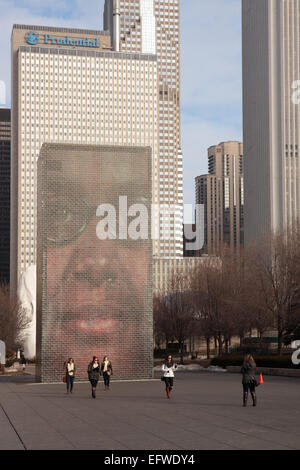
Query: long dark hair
column 249, row 358
column 95, row 357
column 167, row 361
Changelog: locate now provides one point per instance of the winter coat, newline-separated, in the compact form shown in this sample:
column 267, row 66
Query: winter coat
column 109, row 367
column 93, row 373
column 249, row 372
column 67, row 371
column 169, row 371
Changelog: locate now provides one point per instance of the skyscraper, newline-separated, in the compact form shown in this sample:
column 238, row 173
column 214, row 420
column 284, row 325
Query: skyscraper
column 222, row 194
column 152, row 27
column 271, row 62
column 4, row 193
column 69, row 87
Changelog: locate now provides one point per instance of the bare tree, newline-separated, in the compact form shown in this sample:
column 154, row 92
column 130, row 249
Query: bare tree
column 162, row 330
column 13, row 319
column 275, row 271
column 207, row 294
column 180, row 310
column 237, row 292
column 173, row 312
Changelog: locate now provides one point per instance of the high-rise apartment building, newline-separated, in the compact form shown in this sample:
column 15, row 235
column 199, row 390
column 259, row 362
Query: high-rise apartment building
column 5, row 130
column 271, row 66
column 69, row 87
column 152, row 27
column 221, row 192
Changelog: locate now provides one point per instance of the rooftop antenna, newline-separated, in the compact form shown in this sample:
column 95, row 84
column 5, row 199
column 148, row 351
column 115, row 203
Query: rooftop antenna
column 116, row 25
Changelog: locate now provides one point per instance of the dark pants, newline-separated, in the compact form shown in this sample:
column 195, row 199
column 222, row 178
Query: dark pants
column 70, row 382
column 106, row 378
column 249, row 386
column 169, row 381
column 94, row 383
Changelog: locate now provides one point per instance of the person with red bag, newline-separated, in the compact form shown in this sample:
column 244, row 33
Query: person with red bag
column 168, row 369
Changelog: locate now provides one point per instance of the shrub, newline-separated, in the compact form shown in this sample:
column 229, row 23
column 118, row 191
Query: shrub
column 281, row 362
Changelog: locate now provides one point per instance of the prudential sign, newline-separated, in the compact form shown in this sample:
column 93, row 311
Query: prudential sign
column 33, row 38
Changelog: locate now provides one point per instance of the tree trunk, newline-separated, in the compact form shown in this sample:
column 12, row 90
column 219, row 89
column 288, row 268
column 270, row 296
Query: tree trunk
column 280, row 335
column 181, row 351
column 220, row 345
column 208, row 348
column 216, row 344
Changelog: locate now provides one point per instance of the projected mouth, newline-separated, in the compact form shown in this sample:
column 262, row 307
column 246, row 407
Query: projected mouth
column 96, row 326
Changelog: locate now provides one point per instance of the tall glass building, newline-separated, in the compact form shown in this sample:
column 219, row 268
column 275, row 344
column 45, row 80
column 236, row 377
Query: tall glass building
column 153, row 27
column 271, row 71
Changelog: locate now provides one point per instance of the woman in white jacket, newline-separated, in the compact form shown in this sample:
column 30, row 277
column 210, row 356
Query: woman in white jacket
column 168, row 369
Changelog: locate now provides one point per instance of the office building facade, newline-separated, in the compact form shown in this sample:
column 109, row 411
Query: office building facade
column 153, row 26
column 164, row 270
column 271, row 42
column 69, row 87
column 221, row 192
column 5, row 138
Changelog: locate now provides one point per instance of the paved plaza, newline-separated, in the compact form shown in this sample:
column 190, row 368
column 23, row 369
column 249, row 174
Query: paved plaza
column 204, row 413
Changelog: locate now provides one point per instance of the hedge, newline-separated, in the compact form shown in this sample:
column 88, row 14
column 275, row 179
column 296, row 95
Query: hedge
column 280, row 362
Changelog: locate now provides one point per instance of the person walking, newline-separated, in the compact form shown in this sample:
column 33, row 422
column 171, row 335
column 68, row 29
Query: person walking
column 70, row 369
column 23, row 361
column 249, row 379
column 168, row 369
column 106, row 370
column 94, row 374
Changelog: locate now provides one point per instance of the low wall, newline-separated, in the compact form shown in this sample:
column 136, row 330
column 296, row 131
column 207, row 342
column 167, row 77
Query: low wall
column 268, row 371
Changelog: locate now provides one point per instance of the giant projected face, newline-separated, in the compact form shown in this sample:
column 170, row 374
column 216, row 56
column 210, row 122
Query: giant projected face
column 96, row 292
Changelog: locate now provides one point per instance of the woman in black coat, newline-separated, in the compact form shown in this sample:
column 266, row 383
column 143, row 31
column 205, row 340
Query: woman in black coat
column 23, row 361
column 106, row 370
column 249, row 379
column 94, row 374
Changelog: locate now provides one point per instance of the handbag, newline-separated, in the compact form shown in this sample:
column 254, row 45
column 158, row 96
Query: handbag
column 255, row 382
column 64, row 379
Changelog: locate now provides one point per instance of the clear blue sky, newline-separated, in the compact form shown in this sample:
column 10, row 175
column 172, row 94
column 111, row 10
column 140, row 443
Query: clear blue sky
column 211, row 87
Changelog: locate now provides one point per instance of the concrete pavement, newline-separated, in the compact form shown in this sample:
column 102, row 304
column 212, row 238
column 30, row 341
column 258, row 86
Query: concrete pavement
column 204, row 413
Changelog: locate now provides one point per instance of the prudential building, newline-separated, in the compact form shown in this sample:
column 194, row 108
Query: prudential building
column 71, row 86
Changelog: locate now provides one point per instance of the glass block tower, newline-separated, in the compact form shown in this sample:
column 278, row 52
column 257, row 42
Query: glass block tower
column 152, row 27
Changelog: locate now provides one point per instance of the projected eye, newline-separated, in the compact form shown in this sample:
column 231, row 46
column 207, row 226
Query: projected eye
column 65, row 219
column 64, row 216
